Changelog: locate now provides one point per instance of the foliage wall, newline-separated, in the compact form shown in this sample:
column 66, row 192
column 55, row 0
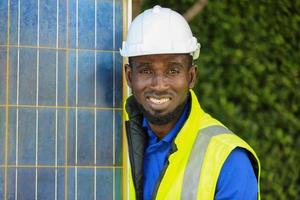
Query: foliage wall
column 248, row 77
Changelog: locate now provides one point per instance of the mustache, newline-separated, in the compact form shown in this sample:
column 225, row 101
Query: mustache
column 159, row 94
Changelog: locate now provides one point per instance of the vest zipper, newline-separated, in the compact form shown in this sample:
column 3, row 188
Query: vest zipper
column 174, row 149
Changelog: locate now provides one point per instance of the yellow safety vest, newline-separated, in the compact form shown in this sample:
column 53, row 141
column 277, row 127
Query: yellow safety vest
column 202, row 146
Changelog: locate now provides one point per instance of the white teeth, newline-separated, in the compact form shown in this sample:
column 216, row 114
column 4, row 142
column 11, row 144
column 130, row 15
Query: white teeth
column 159, row 101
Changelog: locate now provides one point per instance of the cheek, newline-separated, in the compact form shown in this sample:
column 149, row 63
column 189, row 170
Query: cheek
column 138, row 85
column 140, row 82
column 181, row 84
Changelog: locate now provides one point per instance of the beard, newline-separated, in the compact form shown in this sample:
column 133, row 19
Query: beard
column 158, row 119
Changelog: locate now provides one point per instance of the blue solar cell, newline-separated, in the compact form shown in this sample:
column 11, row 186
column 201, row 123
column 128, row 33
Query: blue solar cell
column 86, row 24
column 104, row 184
column 85, row 137
column 105, row 79
column 13, row 22
column 118, row 184
column 47, row 77
column 13, row 75
column 2, row 75
column 105, row 25
column 3, row 22
column 11, row 136
column 47, row 23
column 119, row 22
column 85, row 182
column 27, row 134
column 51, row 139
column 29, row 22
column 46, row 137
column 2, row 135
column 86, row 78
column 45, row 180
column 72, row 24
column 60, row 183
column 119, row 80
column 105, row 137
column 26, row 186
column 70, row 190
column 27, row 76
column 71, row 137
column 11, row 184
column 71, row 78
column 61, row 137
column 62, row 27
column 118, row 138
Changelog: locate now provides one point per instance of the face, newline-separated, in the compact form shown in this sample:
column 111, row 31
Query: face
column 160, row 83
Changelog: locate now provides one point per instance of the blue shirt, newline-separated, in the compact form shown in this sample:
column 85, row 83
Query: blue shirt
column 157, row 152
column 236, row 180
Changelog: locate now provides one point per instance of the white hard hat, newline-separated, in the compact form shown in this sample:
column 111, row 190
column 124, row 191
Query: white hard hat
column 159, row 31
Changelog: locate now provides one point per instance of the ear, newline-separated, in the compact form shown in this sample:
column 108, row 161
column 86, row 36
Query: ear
column 128, row 71
column 192, row 75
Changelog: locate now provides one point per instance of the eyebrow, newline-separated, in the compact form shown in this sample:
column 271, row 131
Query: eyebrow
column 142, row 64
column 176, row 63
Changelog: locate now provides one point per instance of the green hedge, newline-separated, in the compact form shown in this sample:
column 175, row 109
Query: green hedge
column 248, row 77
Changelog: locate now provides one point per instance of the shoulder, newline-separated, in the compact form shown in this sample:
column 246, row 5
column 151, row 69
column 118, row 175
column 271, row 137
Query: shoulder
column 237, row 160
column 237, row 179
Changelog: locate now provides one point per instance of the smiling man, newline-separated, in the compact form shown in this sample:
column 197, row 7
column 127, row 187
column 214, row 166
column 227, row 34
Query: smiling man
column 176, row 150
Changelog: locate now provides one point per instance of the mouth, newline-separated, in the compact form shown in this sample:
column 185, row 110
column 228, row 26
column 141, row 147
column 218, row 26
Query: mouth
column 159, row 100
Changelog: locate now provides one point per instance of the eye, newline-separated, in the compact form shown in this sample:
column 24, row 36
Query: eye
column 173, row 71
column 145, row 71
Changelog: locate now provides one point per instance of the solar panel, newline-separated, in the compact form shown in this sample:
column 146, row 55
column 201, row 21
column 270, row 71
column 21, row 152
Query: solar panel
column 61, row 99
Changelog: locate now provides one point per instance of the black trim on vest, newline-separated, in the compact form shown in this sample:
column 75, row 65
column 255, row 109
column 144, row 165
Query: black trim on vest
column 137, row 138
column 254, row 163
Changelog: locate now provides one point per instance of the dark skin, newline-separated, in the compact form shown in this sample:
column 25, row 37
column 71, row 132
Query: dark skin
column 160, row 83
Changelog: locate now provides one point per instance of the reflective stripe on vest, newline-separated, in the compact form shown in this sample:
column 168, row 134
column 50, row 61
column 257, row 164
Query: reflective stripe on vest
column 192, row 171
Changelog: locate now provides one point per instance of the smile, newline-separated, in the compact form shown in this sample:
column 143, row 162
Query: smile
column 159, row 100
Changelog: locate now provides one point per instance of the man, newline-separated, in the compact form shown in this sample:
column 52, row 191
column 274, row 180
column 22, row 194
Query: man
column 176, row 150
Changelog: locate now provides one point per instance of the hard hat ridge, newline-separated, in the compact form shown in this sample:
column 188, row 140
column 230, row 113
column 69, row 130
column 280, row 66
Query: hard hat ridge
column 159, row 31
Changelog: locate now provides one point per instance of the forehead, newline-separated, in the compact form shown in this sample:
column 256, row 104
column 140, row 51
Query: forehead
column 180, row 58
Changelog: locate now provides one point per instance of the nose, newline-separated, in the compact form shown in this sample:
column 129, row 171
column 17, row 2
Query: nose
column 159, row 82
